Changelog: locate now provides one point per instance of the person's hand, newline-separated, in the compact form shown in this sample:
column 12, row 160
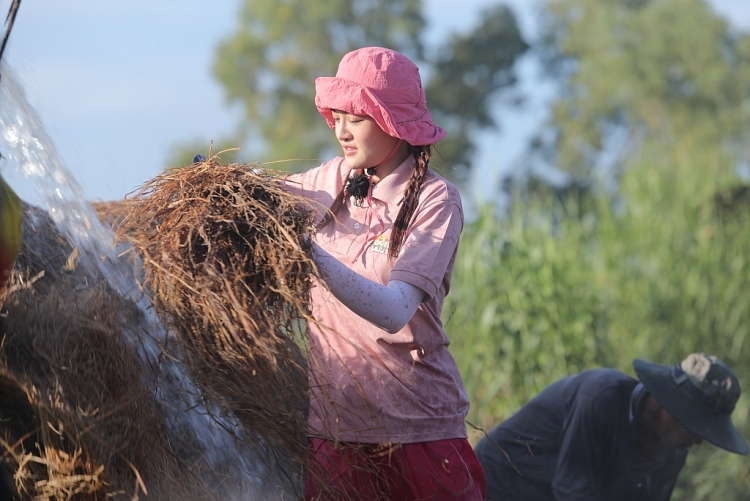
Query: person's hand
column 10, row 229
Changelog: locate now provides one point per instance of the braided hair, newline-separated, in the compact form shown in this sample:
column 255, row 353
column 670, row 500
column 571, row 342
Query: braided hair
column 408, row 204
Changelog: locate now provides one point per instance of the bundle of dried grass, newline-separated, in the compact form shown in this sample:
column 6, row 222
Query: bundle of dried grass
column 112, row 213
column 92, row 415
column 77, row 415
column 227, row 258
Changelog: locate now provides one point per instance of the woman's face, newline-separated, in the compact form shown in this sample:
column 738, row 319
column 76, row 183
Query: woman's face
column 364, row 143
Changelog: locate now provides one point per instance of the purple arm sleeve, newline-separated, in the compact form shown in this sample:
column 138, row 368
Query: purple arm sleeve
column 389, row 307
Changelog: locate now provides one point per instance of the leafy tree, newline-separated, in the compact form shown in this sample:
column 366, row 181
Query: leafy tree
column 270, row 63
column 666, row 72
column 467, row 73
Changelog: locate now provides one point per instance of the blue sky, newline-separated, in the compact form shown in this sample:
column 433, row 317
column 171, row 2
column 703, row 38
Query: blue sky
column 119, row 84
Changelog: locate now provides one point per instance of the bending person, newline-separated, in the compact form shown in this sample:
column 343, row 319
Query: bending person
column 603, row 435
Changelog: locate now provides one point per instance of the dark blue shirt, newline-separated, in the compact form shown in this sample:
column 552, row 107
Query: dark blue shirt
column 575, row 441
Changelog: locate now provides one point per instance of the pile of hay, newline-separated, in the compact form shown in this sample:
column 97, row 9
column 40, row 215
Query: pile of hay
column 77, row 415
column 226, row 255
column 227, row 260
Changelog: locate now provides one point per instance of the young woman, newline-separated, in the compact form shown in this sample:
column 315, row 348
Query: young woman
column 387, row 400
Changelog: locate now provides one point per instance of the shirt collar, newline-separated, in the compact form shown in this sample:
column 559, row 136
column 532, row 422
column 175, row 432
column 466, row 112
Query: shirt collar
column 635, row 400
column 391, row 188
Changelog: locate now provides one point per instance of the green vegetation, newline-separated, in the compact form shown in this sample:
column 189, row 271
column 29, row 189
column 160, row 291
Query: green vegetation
column 653, row 71
column 467, row 73
column 270, row 63
column 658, row 267
column 550, row 290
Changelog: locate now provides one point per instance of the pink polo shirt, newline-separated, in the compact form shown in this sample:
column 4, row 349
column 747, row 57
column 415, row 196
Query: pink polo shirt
column 368, row 385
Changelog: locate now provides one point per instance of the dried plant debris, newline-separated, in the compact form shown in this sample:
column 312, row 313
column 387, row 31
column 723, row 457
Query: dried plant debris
column 226, row 253
column 226, row 261
column 112, row 213
column 78, row 413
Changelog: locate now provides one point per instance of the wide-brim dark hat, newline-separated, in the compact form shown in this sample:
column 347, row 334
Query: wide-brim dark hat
column 703, row 402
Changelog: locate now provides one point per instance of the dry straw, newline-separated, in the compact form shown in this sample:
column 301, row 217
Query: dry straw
column 77, row 415
column 226, row 253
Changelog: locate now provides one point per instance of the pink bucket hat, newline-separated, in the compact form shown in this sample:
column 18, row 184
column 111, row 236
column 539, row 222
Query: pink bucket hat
column 384, row 85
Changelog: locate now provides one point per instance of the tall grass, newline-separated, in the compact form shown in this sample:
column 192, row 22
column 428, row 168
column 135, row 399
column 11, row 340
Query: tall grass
column 658, row 271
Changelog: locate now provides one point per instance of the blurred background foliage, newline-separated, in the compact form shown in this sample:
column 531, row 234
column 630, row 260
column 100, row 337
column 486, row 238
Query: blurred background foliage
column 643, row 71
column 549, row 290
column 270, row 63
column 644, row 250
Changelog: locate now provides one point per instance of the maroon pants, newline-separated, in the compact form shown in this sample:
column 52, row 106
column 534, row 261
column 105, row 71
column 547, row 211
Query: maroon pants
column 440, row 470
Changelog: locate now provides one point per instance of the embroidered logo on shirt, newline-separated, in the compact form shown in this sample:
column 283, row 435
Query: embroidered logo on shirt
column 380, row 245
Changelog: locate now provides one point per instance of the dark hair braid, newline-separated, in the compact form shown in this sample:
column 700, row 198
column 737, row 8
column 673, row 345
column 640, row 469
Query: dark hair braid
column 411, row 196
column 408, row 204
